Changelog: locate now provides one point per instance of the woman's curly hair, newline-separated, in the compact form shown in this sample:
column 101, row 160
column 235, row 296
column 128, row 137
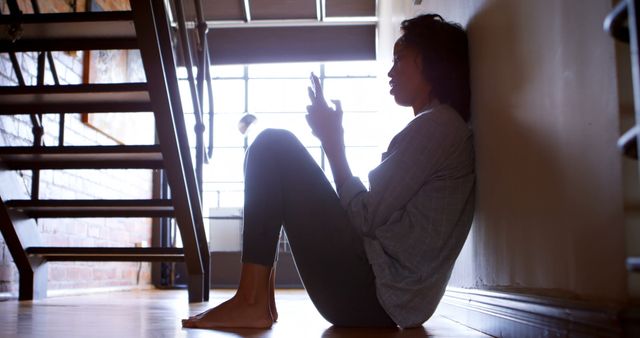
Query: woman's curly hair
column 445, row 58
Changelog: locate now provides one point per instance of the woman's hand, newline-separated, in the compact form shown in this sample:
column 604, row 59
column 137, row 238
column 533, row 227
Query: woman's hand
column 325, row 122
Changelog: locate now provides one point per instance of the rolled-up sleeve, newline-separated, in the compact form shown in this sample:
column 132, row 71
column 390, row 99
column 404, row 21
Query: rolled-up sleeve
column 350, row 189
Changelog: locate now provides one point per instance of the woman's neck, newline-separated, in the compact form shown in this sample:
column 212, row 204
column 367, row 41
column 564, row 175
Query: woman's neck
column 421, row 105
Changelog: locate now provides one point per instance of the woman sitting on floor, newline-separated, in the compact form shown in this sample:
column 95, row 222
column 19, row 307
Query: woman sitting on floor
column 368, row 258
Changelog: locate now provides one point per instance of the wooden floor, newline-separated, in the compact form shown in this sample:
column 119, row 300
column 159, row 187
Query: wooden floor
column 157, row 313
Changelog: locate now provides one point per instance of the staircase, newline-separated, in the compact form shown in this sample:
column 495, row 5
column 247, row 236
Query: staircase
column 145, row 27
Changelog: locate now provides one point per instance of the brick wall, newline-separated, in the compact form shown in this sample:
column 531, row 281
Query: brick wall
column 75, row 184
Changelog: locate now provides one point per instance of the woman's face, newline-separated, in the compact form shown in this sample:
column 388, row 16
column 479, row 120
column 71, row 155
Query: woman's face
column 408, row 86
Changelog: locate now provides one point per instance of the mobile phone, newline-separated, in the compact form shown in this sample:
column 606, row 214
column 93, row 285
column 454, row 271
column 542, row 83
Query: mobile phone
column 313, row 87
column 316, row 89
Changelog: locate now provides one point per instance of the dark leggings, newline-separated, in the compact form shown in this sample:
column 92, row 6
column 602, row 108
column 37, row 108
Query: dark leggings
column 285, row 187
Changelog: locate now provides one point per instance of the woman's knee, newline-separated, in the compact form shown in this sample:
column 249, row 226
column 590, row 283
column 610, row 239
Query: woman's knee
column 274, row 135
column 275, row 139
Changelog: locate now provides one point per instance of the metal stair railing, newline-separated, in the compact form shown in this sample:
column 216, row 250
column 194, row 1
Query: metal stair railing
column 197, row 83
column 191, row 43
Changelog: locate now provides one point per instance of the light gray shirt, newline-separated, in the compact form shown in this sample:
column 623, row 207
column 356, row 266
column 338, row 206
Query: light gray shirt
column 417, row 212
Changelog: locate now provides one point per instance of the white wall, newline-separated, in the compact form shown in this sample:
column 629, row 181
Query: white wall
column 549, row 214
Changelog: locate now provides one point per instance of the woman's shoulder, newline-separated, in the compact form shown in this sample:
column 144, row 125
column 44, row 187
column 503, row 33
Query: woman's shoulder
column 443, row 118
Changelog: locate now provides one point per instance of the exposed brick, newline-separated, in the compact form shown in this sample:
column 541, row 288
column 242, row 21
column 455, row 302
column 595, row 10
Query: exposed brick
column 6, row 273
column 93, row 231
column 16, row 130
column 57, row 272
column 80, row 229
column 78, row 273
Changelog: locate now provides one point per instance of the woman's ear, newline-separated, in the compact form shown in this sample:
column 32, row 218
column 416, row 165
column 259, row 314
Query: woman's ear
column 418, row 60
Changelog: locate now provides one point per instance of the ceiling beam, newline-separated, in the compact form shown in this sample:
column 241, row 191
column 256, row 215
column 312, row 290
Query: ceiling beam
column 364, row 21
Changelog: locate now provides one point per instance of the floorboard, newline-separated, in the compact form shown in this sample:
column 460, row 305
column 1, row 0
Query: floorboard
column 157, row 313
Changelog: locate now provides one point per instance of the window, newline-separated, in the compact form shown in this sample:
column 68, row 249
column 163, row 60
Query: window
column 277, row 95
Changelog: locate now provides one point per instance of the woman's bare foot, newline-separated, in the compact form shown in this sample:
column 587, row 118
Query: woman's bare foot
column 234, row 313
column 249, row 308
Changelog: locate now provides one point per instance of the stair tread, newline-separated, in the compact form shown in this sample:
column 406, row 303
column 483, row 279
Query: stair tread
column 93, row 208
column 103, row 97
column 106, row 254
column 82, row 157
column 70, row 31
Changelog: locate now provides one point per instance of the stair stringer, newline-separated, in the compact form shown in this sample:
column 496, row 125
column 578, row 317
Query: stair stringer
column 21, row 232
column 152, row 28
column 190, row 176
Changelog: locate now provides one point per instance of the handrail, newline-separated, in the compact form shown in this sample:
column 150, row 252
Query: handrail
column 210, row 88
column 195, row 97
column 186, row 51
column 196, row 86
column 205, row 62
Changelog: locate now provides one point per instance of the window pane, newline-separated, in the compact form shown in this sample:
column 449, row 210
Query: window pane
column 283, row 70
column 185, row 96
column 228, row 96
column 187, row 101
column 293, row 122
column 278, row 95
column 355, row 94
column 226, row 165
column 226, row 133
column 190, row 122
column 362, row 129
column 316, row 153
column 223, row 71
column 362, row 160
column 181, row 72
column 351, row 68
column 230, row 199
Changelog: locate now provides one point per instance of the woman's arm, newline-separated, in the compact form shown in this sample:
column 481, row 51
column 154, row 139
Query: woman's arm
column 326, row 124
